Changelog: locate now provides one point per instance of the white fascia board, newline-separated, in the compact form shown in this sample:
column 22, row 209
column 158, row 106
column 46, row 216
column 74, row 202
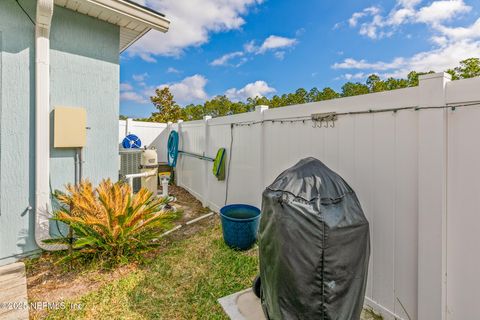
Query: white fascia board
column 135, row 12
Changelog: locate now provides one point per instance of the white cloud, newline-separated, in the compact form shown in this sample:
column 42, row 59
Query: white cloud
column 189, row 90
column 353, row 21
column 133, row 96
column 275, row 43
column 192, row 22
column 172, row 70
column 406, row 11
column 250, row 47
column 450, row 44
column 300, row 32
column 258, row 88
column 128, row 93
column 460, row 33
column 140, row 77
column 126, row 87
column 350, row 63
column 226, row 58
column 370, row 11
column 439, row 59
column 439, row 11
column 337, row 26
column 409, row 3
column 355, row 76
column 280, row 55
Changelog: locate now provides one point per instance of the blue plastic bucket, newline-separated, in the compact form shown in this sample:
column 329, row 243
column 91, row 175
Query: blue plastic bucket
column 240, row 225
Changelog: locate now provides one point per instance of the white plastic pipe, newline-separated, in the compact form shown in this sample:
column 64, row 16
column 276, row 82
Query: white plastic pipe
column 131, row 176
column 184, row 225
column 42, row 123
column 200, row 218
column 165, row 180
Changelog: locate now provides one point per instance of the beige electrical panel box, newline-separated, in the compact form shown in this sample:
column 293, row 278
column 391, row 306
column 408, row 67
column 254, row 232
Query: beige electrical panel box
column 70, row 127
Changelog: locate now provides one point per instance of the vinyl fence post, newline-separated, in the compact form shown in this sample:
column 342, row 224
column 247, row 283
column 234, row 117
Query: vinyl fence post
column 261, row 151
column 207, row 164
column 432, row 197
column 128, row 126
column 179, row 168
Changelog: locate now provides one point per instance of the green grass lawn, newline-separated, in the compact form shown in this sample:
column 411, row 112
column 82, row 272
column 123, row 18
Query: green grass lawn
column 183, row 281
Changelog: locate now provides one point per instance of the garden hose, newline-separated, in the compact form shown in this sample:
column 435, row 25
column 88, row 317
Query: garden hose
column 172, row 149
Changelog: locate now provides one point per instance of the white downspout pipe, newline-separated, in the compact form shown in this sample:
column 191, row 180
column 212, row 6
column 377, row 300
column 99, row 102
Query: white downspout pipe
column 42, row 123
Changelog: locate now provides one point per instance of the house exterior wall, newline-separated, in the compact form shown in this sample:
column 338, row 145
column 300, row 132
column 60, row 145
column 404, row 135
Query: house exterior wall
column 84, row 73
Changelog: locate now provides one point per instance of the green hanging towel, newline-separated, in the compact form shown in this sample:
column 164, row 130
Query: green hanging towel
column 219, row 165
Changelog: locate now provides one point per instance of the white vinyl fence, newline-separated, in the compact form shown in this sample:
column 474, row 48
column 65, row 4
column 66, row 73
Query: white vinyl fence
column 152, row 134
column 413, row 162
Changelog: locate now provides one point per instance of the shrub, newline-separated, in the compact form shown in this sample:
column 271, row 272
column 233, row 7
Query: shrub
column 108, row 221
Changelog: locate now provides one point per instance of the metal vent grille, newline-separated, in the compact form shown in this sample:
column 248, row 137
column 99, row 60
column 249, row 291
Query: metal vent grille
column 130, row 163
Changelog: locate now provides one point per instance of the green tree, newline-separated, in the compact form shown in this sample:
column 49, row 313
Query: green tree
column 122, row 117
column 193, row 112
column 313, row 94
column 394, row 84
column 218, row 107
column 468, row 68
column 412, row 77
column 168, row 109
column 375, row 84
column 238, row 107
column 354, row 89
column 328, row 94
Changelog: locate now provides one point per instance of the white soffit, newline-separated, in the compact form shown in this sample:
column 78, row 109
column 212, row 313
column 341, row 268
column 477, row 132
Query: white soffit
column 134, row 20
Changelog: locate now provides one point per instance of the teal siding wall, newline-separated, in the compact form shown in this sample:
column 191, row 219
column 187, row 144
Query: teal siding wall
column 84, row 73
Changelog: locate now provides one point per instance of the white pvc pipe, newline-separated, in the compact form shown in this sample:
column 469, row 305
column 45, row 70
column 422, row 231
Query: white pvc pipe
column 186, row 224
column 42, row 123
column 165, row 180
column 200, row 218
column 130, row 177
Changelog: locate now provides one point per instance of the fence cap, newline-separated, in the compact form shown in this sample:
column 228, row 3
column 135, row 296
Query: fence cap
column 261, row 108
column 435, row 75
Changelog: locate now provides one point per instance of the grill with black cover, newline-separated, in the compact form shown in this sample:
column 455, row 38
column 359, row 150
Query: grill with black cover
column 314, row 246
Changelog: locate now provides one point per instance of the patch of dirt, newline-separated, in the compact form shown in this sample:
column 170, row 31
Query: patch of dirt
column 191, row 207
column 51, row 282
column 47, row 282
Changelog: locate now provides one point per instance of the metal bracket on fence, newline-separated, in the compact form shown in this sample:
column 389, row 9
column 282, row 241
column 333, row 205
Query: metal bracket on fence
column 325, row 120
column 198, row 156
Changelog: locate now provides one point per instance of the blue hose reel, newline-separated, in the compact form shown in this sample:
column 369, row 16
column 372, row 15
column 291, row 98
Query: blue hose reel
column 131, row 141
column 172, row 148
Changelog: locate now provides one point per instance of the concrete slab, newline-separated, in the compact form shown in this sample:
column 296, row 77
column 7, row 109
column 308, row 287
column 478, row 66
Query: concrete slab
column 13, row 292
column 243, row 305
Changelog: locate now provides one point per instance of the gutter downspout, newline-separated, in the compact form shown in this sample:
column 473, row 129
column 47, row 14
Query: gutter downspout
column 42, row 124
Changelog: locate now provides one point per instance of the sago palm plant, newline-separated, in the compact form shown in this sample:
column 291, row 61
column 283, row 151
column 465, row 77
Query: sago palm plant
column 108, row 221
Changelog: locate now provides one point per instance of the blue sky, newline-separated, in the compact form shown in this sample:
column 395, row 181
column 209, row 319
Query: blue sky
column 245, row 48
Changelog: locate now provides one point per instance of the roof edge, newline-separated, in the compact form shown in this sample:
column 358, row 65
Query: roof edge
column 153, row 19
column 144, row 7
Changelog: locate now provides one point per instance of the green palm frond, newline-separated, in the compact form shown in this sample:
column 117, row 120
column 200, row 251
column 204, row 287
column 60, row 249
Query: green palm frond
column 108, row 220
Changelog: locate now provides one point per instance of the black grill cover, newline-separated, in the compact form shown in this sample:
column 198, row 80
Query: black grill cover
column 314, row 246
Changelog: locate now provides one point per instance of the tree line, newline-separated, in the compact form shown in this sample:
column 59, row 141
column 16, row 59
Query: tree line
column 168, row 110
